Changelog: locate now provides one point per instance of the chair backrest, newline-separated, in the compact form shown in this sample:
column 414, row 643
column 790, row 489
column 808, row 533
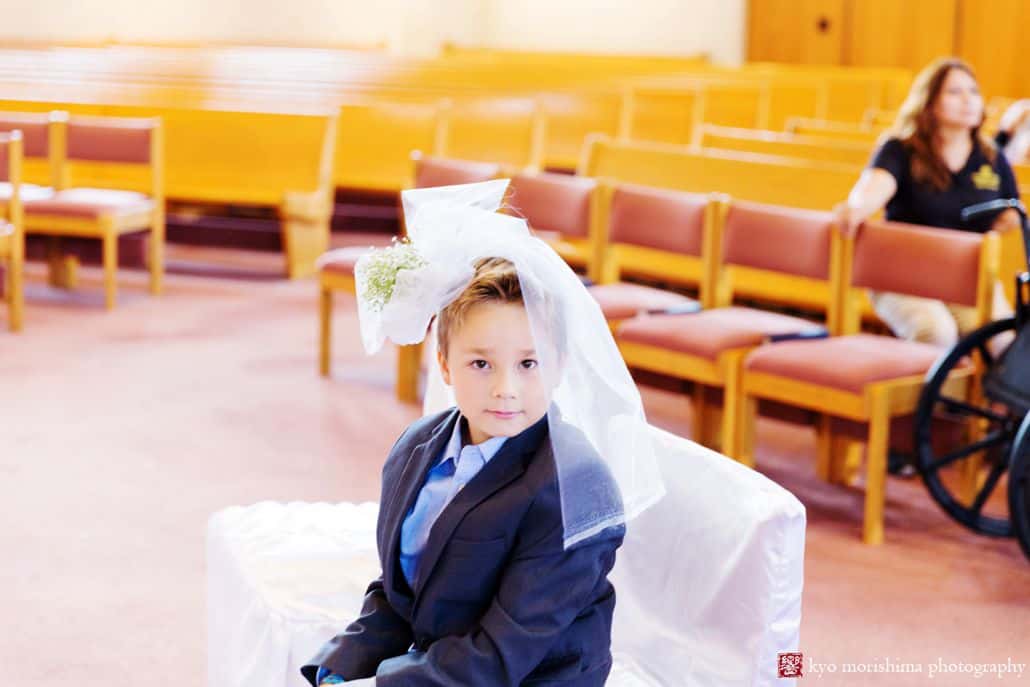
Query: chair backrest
column 778, row 254
column 439, row 171
column 553, row 203
column 111, row 139
column 37, row 128
column 136, row 144
column 957, row 267
column 654, row 233
column 748, row 176
column 34, row 128
column 710, row 578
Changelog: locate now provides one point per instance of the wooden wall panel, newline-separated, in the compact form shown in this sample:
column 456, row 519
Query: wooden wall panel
column 908, row 34
column 796, row 31
column 992, row 37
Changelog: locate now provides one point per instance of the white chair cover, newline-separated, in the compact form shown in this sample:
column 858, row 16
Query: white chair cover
column 708, row 581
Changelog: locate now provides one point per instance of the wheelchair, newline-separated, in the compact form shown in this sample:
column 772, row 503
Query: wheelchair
column 970, row 440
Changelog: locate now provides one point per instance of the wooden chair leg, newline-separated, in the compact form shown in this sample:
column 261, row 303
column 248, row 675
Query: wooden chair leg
column 847, row 460
column 409, row 364
column 15, row 294
column 876, row 467
column 745, row 441
column 731, row 405
column 63, row 270
column 704, row 417
column 157, row 258
column 325, row 339
column 110, row 250
column 824, row 447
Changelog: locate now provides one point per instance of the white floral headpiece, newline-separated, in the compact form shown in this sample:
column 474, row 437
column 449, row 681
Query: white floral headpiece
column 400, row 288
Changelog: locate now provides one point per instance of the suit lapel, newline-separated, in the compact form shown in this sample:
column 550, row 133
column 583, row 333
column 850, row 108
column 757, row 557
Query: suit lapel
column 506, row 466
column 410, row 483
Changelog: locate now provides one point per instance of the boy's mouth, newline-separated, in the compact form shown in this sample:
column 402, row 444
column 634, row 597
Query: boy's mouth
column 504, row 414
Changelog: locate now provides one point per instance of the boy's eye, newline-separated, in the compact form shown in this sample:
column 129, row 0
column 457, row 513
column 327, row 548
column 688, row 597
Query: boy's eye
column 528, row 364
column 480, row 364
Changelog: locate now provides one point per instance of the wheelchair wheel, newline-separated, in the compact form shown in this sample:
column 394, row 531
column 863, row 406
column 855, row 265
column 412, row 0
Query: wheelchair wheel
column 985, row 431
column 1019, row 486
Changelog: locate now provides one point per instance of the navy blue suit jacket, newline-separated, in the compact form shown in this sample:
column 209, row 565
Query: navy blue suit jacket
column 498, row 601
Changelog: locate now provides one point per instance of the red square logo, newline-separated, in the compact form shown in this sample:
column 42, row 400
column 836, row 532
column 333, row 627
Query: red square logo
column 788, row 664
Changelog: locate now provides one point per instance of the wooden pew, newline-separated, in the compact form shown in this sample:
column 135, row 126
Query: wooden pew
column 845, row 131
column 759, row 178
column 235, row 157
column 784, row 144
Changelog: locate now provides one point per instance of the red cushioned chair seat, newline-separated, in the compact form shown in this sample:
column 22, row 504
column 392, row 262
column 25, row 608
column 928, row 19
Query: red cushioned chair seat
column 621, row 300
column 847, row 363
column 708, row 333
column 90, row 203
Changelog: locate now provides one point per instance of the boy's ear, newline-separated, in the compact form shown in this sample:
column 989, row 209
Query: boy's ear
column 444, row 370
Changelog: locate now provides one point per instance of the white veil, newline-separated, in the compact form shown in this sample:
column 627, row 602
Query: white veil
column 596, row 411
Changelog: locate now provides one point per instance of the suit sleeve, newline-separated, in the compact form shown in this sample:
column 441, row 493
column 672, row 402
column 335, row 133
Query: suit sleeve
column 379, row 633
column 542, row 590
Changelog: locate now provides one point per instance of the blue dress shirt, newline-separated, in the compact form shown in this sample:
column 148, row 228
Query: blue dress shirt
column 453, row 469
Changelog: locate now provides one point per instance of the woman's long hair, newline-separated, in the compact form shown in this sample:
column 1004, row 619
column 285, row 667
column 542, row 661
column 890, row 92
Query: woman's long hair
column 916, row 125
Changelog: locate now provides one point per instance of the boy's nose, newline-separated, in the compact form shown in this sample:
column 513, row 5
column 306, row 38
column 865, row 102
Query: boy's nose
column 504, row 387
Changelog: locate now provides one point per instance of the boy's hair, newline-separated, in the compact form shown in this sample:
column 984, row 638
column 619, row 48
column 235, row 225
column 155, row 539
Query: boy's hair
column 496, row 281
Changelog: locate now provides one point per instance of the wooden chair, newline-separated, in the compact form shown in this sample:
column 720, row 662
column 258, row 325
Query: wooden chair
column 764, row 243
column 863, row 378
column 654, row 234
column 337, row 271
column 12, row 235
column 105, row 213
column 557, row 208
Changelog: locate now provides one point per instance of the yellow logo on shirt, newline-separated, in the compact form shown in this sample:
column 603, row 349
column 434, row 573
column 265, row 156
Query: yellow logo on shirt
column 985, row 179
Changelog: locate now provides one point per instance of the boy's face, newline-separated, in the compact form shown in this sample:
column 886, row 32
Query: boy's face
column 492, row 363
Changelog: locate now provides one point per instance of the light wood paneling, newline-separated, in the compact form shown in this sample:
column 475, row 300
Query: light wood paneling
column 909, row 34
column 992, row 37
column 796, row 31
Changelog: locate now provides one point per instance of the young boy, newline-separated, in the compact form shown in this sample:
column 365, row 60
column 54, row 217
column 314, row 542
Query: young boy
column 478, row 587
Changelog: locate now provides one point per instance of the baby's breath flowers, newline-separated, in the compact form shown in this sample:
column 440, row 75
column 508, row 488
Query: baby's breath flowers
column 380, row 269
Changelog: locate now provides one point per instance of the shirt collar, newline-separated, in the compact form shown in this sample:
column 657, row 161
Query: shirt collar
column 488, row 449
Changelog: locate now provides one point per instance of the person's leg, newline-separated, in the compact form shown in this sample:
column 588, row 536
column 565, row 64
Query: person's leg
column 1000, row 309
column 916, row 319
